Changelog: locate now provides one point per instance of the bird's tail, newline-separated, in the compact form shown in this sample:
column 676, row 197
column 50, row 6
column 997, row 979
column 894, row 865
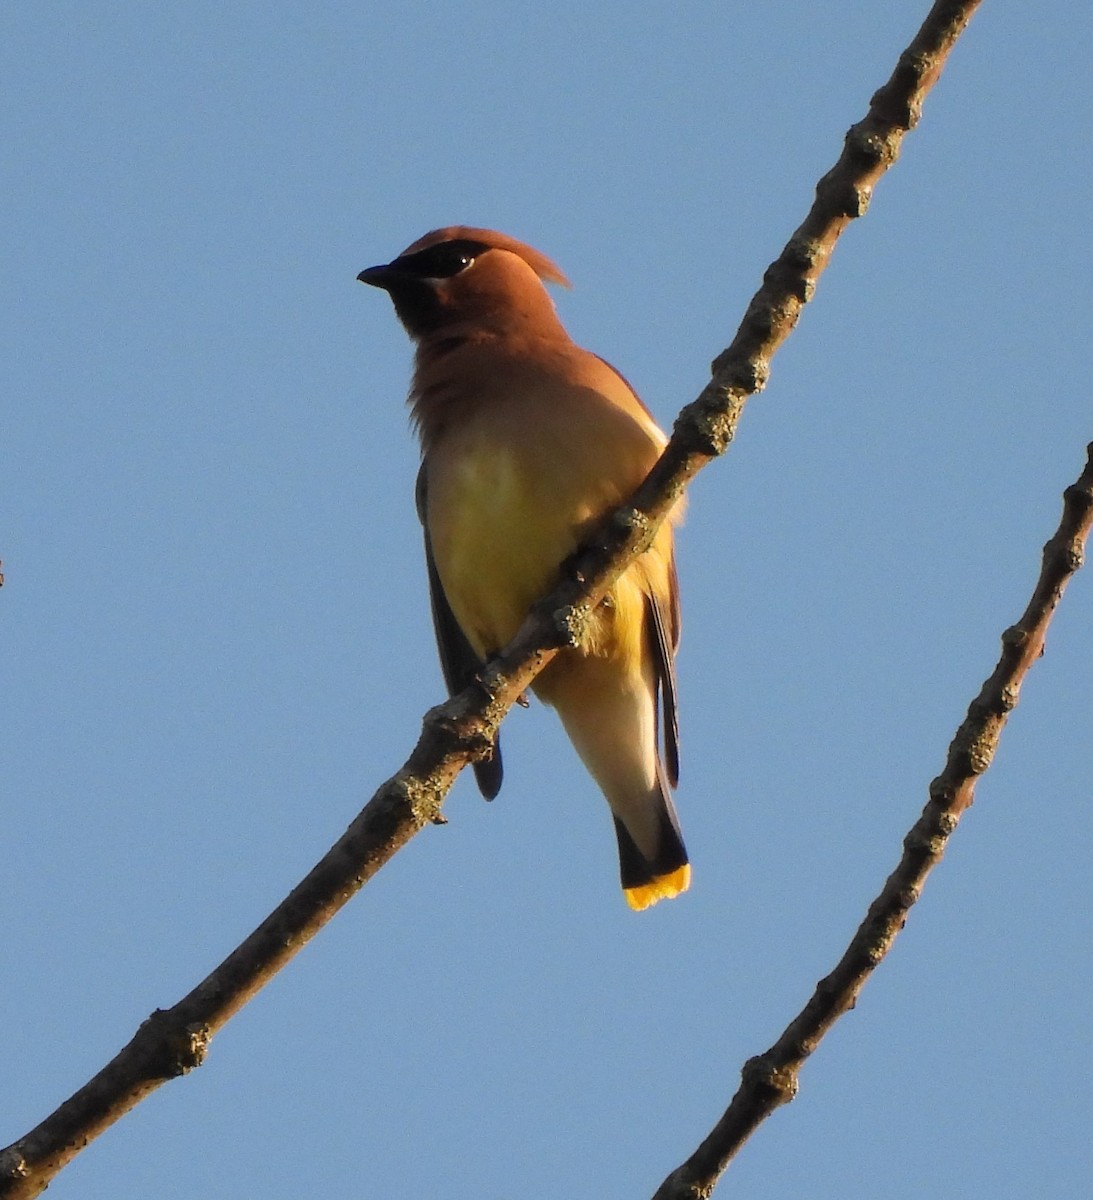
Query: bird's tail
column 610, row 714
column 664, row 874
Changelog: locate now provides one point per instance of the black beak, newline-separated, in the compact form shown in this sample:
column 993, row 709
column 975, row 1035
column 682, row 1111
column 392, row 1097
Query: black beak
column 381, row 276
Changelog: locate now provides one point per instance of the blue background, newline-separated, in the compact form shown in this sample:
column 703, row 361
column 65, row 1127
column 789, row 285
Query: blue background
column 215, row 636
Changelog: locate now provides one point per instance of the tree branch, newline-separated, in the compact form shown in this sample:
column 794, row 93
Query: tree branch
column 173, row 1041
column 770, row 1079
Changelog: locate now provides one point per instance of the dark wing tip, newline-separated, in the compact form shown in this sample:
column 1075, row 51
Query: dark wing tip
column 489, row 773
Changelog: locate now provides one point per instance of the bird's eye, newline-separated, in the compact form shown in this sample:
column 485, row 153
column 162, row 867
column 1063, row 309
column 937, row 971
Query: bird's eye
column 452, row 262
column 441, row 261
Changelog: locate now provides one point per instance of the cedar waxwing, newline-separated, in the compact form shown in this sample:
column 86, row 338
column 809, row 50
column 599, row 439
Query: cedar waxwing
column 526, row 440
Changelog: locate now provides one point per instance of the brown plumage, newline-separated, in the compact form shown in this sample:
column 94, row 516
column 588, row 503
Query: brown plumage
column 527, row 439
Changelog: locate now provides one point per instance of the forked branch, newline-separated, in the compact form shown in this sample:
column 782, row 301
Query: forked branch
column 770, row 1079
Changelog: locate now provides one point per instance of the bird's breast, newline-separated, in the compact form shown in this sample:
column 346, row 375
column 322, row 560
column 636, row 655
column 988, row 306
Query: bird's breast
column 522, row 452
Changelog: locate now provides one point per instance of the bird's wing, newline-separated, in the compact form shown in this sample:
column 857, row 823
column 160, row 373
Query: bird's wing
column 664, row 625
column 458, row 660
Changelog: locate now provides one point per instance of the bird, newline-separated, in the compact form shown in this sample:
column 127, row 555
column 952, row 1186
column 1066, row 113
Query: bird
column 526, row 441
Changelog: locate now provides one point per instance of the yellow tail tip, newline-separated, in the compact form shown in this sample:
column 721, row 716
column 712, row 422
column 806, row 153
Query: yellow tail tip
column 664, row 887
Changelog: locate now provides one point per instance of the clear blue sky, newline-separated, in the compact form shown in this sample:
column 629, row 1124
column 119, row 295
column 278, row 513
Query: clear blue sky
column 215, row 636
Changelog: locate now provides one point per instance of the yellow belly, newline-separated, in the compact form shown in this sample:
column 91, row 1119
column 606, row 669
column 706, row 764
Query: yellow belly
column 506, row 507
column 497, row 542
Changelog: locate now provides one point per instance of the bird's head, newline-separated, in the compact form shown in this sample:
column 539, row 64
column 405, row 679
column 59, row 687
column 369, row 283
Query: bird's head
column 469, row 277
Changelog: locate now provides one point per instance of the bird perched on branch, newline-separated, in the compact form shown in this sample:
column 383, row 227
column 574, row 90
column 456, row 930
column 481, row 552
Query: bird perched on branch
column 526, row 440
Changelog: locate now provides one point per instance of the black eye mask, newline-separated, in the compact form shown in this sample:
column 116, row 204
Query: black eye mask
column 441, row 261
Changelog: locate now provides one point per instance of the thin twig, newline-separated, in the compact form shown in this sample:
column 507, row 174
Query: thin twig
column 770, row 1079
column 175, row 1040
